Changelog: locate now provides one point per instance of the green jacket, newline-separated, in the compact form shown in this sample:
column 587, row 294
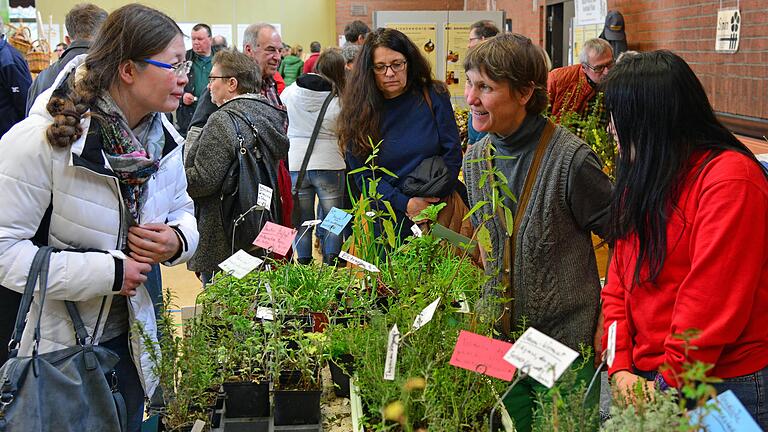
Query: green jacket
column 290, row 69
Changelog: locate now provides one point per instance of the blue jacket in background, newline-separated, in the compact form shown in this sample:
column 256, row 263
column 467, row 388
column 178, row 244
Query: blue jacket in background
column 15, row 80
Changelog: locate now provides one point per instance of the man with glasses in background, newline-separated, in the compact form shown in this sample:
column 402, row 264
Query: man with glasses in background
column 574, row 88
column 201, row 56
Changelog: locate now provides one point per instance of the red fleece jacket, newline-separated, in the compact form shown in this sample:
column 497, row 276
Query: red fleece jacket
column 714, row 278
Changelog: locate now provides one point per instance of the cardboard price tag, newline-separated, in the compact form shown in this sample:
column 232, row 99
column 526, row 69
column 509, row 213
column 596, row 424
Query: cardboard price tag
column 336, row 220
column 541, row 357
column 264, row 197
column 425, row 315
column 358, row 262
column 265, row 313
column 390, row 364
column 240, row 264
column 482, row 354
column 275, row 237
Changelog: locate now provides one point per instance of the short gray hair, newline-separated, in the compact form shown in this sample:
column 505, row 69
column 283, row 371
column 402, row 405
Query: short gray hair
column 596, row 46
column 251, row 33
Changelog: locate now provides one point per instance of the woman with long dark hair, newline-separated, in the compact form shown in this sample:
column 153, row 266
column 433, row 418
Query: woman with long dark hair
column 392, row 97
column 324, row 178
column 96, row 172
column 689, row 216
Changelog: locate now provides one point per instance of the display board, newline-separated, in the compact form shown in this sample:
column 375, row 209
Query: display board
column 442, row 36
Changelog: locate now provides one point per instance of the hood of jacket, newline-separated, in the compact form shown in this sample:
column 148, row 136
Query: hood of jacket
column 311, row 90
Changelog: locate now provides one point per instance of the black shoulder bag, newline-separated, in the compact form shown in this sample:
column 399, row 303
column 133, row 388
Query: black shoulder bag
column 65, row 390
column 241, row 216
column 296, row 215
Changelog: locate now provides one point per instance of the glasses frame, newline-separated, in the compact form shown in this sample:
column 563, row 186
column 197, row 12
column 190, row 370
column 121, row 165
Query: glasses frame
column 392, row 66
column 211, row 78
column 179, row 69
column 600, row 68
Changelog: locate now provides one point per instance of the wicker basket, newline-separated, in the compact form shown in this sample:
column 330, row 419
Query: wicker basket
column 39, row 57
column 20, row 37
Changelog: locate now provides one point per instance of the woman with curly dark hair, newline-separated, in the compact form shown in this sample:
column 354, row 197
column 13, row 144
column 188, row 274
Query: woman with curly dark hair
column 391, row 97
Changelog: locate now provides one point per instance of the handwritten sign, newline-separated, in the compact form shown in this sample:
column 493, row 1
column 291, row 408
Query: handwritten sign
column 276, row 238
column 541, row 357
column 416, row 230
column 425, row 315
column 264, row 197
column 311, row 223
column 336, row 220
column 240, row 264
column 390, row 364
column 483, row 355
column 610, row 351
column 358, row 262
column 731, row 417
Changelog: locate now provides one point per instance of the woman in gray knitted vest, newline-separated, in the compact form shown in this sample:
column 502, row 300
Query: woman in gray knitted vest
column 234, row 84
column 546, row 269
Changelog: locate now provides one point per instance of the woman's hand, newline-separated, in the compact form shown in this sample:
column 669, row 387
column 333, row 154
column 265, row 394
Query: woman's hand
column 134, row 274
column 417, row 204
column 152, row 243
column 626, row 382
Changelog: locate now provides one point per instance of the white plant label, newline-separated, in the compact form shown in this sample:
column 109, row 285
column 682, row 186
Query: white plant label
column 393, row 343
column 610, row 352
column 370, row 214
column 264, row 198
column 265, row 313
column 311, row 223
column 240, row 264
column 425, row 315
column 541, row 357
column 358, row 262
column 198, row 426
column 416, row 230
column 463, row 304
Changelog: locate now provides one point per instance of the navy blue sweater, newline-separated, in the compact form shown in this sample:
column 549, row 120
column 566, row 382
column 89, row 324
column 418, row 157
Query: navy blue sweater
column 14, row 84
column 410, row 134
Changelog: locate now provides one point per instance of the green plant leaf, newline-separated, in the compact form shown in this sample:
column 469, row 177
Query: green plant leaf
column 484, row 238
column 387, row 172
column 510, row 221
column 389, row 229
column 475, row 208
column 358, row 170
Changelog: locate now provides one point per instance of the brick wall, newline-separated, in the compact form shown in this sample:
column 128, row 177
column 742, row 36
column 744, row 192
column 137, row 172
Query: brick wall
column 736, row 83
column 344, row 8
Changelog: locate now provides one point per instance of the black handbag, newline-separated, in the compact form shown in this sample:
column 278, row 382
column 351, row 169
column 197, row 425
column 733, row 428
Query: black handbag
column 72, row 389
column 241, row 216
column 296, row 215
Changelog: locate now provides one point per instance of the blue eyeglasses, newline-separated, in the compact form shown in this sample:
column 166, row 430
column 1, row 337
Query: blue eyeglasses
column 179, row 69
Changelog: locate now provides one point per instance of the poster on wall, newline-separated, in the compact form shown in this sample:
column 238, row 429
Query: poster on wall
column 590, row 11
column 223, row 30
column 186, row 29
column 728, row 31
column 423, row 36
column 582, row 34
column 456, row 39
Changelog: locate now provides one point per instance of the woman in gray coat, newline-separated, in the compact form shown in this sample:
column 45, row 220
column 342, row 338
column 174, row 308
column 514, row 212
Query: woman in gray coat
column 234, row 83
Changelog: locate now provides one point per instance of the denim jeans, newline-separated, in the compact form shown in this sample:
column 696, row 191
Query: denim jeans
column 128, row 382
column 328, row 187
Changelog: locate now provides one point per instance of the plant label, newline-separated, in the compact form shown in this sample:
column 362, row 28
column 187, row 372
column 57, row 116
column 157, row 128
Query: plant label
column 311, row 223
column 425, row 315
column 276, row 238
column 336, row 220
column 416, row 230
column 730, row 415
column 390, row 364
column 541, row 357
column 610, row 351
column 240, row 264
column 454, row 238
column 265, row 313
column 358, row 262
column 463, row 304
column 483, row 355
column 264, row 197
column 370, row 214
column 198, row 426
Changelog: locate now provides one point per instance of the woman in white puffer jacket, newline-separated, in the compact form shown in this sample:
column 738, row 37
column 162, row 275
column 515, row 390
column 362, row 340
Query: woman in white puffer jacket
column 325, row 176
column 96, row 171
